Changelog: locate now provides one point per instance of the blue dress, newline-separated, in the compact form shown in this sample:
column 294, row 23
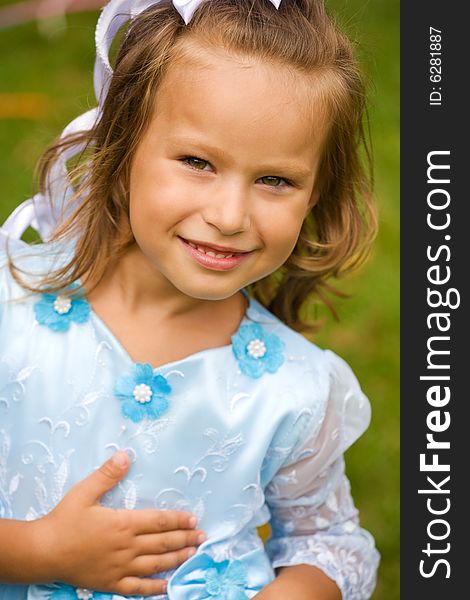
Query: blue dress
column 238, row 435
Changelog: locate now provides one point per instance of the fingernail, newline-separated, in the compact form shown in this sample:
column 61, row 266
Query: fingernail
column 201, row 538
column 191, row 552
column 120, row 459
column 192, row 522
column 165, row 587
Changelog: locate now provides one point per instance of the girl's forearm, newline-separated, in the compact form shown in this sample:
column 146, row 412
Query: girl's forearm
column 22, row 559
column 301, row 582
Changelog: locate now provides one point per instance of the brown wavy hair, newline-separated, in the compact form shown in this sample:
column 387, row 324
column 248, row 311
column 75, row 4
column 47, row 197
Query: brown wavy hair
column 338, row 231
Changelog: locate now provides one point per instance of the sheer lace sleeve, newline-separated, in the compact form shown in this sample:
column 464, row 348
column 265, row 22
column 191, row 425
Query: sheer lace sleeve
column 314, row 520
column 3, row 281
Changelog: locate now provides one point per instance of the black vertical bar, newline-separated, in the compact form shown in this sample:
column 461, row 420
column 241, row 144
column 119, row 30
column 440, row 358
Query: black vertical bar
column 435, row 230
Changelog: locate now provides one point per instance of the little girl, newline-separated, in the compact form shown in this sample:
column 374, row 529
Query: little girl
column 220, row 175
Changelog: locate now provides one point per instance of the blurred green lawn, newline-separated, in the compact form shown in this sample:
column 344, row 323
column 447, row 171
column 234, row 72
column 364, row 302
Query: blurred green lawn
column 46, row 77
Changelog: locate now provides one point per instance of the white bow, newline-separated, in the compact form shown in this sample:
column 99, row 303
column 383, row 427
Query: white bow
column 44, row 212
column 187, row 8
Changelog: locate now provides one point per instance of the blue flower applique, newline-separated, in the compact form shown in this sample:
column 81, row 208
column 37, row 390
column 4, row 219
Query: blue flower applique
column 257, row 352
column 58, row 311
column 67, row 592
column 143, row 394
column 227, row 580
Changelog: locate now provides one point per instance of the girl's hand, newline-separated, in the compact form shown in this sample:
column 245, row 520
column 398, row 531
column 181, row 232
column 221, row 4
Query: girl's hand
column 90, row 546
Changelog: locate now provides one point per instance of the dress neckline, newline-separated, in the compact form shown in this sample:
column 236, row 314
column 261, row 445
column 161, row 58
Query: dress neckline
column 250, row 315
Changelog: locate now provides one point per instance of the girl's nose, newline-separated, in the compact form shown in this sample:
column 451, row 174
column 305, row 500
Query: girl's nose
column 228, row 209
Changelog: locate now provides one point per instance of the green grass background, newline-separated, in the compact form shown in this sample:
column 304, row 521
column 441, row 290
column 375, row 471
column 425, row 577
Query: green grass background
column 55, row 61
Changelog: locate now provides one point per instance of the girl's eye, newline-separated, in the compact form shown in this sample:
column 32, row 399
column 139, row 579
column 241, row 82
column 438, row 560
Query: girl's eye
column 274, row 181
column 196, row 163
column 199, row 164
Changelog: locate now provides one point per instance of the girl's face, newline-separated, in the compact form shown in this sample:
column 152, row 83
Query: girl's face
column 225, row 174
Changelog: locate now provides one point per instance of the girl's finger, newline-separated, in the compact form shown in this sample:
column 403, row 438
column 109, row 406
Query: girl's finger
column 158, row 521
column 160, row 543
column 134, row 586
column 103, row 479
column 143, row 566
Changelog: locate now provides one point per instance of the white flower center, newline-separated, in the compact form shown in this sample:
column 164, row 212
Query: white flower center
column 142, row 393
column 256, row 348
column 62, row 305
column 83, row 594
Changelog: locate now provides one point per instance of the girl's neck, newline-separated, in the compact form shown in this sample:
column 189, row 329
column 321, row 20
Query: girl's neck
column 138, row 288
column 154, row 322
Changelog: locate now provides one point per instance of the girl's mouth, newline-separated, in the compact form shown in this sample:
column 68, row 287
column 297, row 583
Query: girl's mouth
column 213, row 258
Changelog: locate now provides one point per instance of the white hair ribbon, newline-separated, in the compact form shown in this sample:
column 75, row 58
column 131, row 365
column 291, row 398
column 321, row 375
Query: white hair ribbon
column 39, row 212
column 44, row 212
column 187, row 8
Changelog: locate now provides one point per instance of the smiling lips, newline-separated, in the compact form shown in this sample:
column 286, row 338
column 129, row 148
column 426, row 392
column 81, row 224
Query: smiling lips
column 213, row 257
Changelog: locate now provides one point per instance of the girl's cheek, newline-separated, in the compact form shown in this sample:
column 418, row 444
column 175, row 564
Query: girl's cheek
column 288, row 223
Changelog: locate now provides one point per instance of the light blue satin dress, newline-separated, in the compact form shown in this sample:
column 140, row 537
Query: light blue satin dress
column 238, row 435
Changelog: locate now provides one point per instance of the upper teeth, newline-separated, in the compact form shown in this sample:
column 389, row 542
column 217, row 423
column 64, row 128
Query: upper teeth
column 210, row 252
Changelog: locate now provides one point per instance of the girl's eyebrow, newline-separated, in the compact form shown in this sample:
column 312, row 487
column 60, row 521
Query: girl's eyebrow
column 199, row 144
column 294, row 169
